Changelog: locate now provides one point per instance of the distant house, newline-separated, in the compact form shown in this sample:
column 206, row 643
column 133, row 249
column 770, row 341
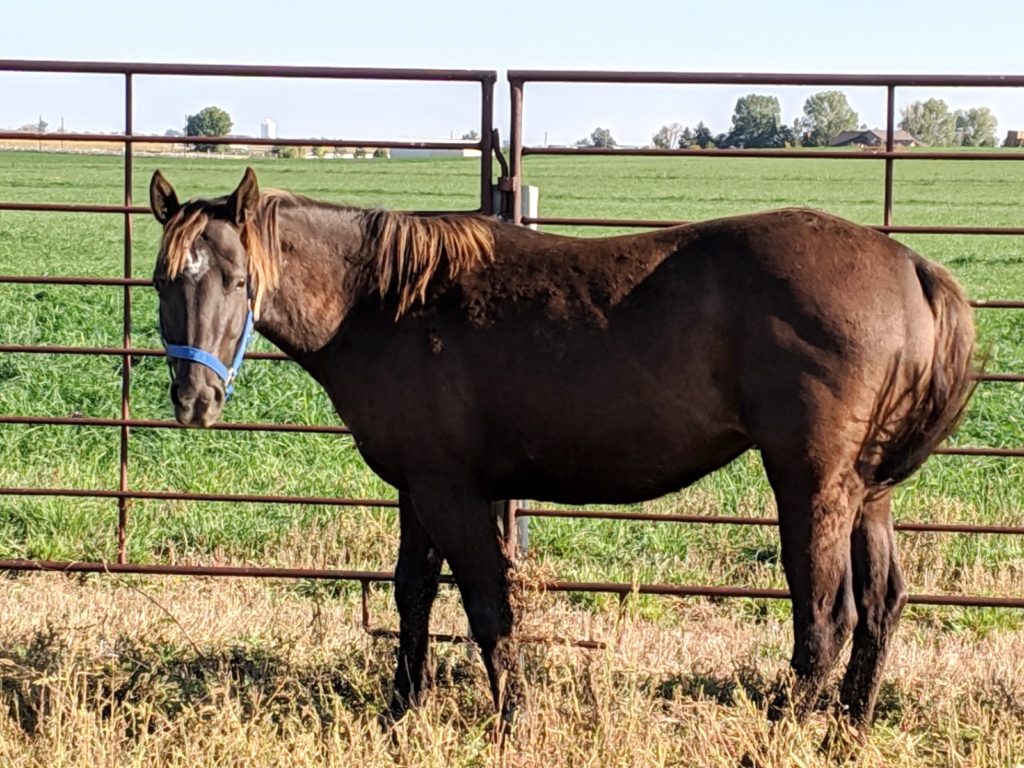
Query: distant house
column 873, row 138
column 1014, row 139
column 413, row 152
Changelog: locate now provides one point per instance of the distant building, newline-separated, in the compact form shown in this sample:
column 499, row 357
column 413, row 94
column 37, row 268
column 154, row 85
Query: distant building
column 268, row 129
column 873, row 138
column 1014, row 139
column 413, row 152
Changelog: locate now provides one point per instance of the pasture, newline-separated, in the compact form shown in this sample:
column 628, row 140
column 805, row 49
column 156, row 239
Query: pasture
column 130, row 666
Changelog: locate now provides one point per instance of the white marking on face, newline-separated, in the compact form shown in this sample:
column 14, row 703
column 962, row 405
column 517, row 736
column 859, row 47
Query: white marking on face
column 196, row 260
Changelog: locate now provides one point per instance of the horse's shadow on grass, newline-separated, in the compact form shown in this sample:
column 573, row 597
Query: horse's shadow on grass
column 165, row 682
column 752, row 685
column 746, row 682
column 147, row 685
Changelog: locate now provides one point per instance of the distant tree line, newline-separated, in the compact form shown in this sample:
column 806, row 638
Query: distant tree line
column 757, row 123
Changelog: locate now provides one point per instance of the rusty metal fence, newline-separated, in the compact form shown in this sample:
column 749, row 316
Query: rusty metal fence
column 125, row 493
column 509, row 186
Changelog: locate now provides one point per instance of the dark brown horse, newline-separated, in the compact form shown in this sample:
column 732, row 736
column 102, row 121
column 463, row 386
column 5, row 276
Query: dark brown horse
column 476, row 361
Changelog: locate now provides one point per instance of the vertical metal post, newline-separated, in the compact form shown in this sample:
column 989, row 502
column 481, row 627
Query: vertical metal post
column 514, row 536
column 510, row 529
column 364, row 602
column 890, row 143
column 126, row 360
column 515, row 149
column 486, row 144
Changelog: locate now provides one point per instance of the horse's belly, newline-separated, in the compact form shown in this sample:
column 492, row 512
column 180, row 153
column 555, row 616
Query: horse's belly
column 621, row 469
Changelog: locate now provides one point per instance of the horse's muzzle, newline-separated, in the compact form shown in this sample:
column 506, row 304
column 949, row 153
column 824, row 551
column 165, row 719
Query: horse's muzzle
column 197, row 405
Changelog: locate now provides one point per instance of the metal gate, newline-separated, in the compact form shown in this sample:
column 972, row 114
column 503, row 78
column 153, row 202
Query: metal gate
column 509, row 185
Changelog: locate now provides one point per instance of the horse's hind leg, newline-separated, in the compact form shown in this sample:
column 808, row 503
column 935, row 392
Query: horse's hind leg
column 880, row 596
column 416, row 579
column 815, row 516
column 463, row 525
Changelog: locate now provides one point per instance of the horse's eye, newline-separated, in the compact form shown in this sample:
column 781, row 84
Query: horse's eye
column 240, row 283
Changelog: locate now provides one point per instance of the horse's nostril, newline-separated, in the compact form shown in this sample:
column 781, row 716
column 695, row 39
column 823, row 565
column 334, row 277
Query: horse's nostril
column 184, row 399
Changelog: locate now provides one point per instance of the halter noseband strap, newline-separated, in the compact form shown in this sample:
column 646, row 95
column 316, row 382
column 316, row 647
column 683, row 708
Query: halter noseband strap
column 211, row 361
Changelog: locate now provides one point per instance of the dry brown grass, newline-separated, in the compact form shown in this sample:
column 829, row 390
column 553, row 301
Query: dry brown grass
column 57, row 144
column 183, row 672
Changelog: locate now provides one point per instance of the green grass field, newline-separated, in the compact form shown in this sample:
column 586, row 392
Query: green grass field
column 969, row 490
column 172, row 672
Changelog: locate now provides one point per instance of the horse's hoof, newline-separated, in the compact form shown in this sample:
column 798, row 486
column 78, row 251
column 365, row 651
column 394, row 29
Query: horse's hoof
column 389, row 717
column 509, row 722
column 843, row 741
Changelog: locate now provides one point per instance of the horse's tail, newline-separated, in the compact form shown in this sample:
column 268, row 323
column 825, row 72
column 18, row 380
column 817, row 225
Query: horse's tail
column 908, row 424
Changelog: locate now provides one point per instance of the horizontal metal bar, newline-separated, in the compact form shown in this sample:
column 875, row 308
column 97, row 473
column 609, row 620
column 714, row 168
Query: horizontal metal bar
column 967, row 601
column 252, row 141
column 54, row 349
column 139, row 210
column 592, row 645
column 997, row 530
column 774, row 594
column 137, row 282
column 1000, row 378
column 910, row 229
column 653, row 517
column 554, row 513
column 929, row 229
column 88, row 421
column 602, row 514
column 520, row 76
column 241, row 498
column 365, row 577
column 246, row 70
column 71, row 207
column 195, row 570
column 616, row 588
column 979, row 451
column 75, row 280
column 796, row 154
column 997, row 304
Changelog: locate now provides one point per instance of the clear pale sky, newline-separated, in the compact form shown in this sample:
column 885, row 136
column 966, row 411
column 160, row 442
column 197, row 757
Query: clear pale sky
column 937, row 37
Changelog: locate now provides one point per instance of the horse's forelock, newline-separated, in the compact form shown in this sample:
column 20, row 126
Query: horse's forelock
column 179, row 235
column 259, row 237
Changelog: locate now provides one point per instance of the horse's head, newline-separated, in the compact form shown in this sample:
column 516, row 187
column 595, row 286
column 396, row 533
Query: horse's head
column 202, row 277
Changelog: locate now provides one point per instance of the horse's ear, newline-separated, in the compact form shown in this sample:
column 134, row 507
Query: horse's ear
column 243, row 201
column 162, row 199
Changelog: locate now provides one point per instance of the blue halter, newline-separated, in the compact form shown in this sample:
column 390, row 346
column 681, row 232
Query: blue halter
column 211, row 361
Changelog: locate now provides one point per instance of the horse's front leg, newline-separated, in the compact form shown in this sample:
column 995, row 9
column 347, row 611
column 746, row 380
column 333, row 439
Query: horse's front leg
column 416, row 579
column 463, row 525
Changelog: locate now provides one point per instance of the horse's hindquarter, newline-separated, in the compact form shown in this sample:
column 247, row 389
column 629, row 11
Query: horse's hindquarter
column 837, row 307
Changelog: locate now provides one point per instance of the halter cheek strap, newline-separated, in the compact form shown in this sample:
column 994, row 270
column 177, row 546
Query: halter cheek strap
column 211, row 361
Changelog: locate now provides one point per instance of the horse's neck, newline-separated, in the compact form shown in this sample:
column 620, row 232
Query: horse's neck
column 320, row 251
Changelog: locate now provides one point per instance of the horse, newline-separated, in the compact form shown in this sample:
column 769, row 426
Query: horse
column 476, row 361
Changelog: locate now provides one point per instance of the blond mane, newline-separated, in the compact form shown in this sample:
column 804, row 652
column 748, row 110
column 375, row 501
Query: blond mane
column 402, row 252
column 411, row 249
